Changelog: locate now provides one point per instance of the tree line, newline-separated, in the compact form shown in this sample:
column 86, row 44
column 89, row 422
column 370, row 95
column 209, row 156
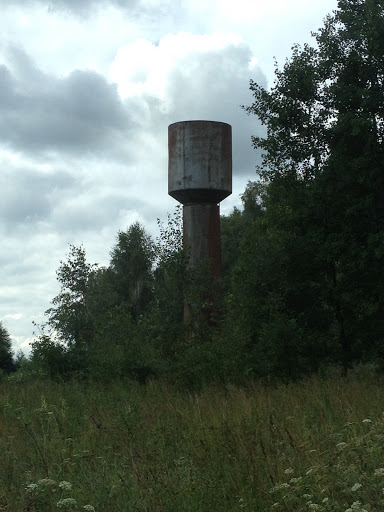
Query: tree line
column 302, row 261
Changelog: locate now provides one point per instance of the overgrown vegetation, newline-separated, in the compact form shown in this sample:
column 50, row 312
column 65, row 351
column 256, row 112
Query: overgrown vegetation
column 316, row 445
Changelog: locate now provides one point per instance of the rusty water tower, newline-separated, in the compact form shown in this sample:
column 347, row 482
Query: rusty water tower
column 199, row 177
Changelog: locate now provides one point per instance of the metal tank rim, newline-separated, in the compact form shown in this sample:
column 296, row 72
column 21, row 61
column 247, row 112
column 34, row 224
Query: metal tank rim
column 199, row 121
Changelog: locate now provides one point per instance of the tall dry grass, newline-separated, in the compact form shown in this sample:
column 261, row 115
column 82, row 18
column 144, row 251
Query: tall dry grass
column 312, row 445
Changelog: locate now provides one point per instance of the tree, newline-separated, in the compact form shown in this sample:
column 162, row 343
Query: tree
column 7, row 364
column 68, row 317
column 132, row 260
column 323, row 166
column 234, row 227
column 51, row 358
column 169, row 283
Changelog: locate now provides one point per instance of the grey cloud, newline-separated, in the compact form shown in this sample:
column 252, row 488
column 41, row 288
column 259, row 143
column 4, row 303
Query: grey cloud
column 7, row 95
column 24, row 71
column 17, row 267
column 92, row 212
column 80, row 113
column 27, row 195
column 81, row 5
column 8, row 300
column 82, row 8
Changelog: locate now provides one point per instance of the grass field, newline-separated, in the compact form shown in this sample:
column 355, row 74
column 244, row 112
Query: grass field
column 313, row 445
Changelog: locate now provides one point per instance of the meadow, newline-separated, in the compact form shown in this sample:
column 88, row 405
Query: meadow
column 317, row 444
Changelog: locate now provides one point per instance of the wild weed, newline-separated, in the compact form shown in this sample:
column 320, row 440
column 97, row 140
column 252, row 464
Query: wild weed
column 313, row 445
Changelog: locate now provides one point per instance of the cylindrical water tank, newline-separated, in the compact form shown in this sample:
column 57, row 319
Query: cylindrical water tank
column 200, row 161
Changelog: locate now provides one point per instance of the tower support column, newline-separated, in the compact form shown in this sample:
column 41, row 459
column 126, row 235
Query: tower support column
column 201, row 232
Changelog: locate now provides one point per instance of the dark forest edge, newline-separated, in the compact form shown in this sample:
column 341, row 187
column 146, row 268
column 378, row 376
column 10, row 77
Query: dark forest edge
column 302, row 262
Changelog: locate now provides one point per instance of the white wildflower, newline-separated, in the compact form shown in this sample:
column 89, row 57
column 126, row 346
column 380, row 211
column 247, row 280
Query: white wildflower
column 379, row 472
column 356, row 507
column 288, row 471
column 295, row 480
column 67, row 486
column 66, row 502
column 307, row 496
column 89, row 508
column 367, row 420
column 278, row 487
column 356, row 487
column 325, row 500
column 314, row 506
column 31, row 487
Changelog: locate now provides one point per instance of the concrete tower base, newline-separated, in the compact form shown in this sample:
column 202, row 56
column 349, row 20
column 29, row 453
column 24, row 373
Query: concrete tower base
column 201, row 226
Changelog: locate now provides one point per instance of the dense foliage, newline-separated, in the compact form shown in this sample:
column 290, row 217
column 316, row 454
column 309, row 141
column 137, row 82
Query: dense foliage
column 302, row 262
column 7, row 363
column 324, row 210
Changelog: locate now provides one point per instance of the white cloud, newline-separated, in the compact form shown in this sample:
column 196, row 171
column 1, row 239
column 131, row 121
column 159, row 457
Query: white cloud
column 15, row 316
column 142, row 67
column 22, row 343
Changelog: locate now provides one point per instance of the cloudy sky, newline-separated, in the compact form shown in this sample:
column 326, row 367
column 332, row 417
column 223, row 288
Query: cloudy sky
column 87, row 91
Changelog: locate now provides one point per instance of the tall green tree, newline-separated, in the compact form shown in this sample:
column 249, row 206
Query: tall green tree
column 68, row 317
column 7, row 363
column 323, row 165
column 131, row 265
column 169, row 283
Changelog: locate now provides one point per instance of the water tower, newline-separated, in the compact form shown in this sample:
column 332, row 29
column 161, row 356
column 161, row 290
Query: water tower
column 199, row 177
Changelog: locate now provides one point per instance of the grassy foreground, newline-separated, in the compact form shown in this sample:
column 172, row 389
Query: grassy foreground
column 314, row 445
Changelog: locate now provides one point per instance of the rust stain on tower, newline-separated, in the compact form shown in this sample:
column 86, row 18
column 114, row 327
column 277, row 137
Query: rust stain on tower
column 199, row 177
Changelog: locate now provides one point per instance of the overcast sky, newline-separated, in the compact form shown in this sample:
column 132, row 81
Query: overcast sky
column 87, row 91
